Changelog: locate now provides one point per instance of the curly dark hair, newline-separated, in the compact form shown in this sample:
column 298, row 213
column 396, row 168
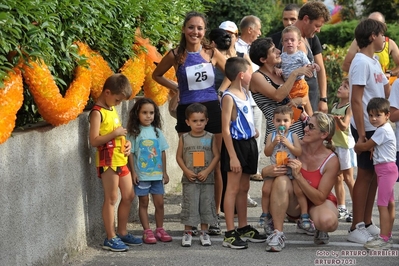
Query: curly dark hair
column 133, row 124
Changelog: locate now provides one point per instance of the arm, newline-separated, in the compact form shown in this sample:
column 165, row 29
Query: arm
column 259, row 84
column 365, row 146
column 394, row 117
column 130, row 162
column 94, row 134
column 190, row 175
column 269, row 146
column 227, row 110
column 353, row 49
column 165, row 174
column 387, row 90
column 203, row 175
column 322, row 81
column 329, row 177
column 166, row 63
column 394, row 52
column 357, row 107
column 295, row 148
column 343, row 122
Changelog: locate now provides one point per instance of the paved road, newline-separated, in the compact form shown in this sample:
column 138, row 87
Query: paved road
column 300, row 249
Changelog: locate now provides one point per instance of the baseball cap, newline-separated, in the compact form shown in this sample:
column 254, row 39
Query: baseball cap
column 229, row 26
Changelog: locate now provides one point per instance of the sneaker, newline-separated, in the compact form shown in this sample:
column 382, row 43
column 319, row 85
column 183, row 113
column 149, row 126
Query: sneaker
column 161, row 235
column 130, row 240
column 251, row 202
column 214, row 230
column 115, row 244
column 148, row 237
column 378, row 243
column 276, row 241
column 348, row 218
column 205, row 239
column 256, row 177
column 248, row 233
column 301, row 230
column 373, row 230
column 262, row 220
column 194, row 230
column 342, row 212
column 268, row 225
column 321, row 238
column 359, row 235
column 232, row 240
column 186, row 239
column 304, row 221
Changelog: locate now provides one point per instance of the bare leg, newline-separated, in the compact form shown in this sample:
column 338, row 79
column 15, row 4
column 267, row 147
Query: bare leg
column 241, row 201
column 364, row 192
column 218, row 177
column 348, row 178
column 143, row 211
column 266, row 190
column 340, row 189
column 159, row 209
column 110, row 184
column 281, row 198
column 233, row 184
column 303, row 203
column 127, row 196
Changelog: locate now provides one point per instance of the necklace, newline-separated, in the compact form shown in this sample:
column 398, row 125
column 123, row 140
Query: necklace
column 195, row 52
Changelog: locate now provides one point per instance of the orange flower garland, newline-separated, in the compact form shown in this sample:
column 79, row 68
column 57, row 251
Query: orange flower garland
column 11, row 97
column 99, row 69
column 152, row 89
column 52, row 106
column 133, row 69
column 58, row 110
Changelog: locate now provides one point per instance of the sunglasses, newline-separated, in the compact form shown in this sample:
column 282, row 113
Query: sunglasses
column 311, row 126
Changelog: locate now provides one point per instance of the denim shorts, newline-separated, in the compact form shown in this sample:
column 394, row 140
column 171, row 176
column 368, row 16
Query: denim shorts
column 149, row 187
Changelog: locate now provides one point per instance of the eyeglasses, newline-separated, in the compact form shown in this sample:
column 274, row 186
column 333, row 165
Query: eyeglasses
column 233, row 33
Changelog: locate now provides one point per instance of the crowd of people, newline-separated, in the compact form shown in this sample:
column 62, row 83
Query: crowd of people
column 237, row 79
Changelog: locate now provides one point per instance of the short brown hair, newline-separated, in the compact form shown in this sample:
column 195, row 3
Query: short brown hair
column 118, row 84
column 314, row 10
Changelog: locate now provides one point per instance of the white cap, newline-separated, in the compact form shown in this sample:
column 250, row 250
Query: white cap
column 229, row 26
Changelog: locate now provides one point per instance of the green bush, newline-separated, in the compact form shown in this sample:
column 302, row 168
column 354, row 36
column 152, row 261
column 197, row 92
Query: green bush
column 234, row 11
column 343, row 33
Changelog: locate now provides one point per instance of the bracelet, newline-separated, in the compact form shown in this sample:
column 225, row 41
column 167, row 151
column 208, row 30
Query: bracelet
column 323, row 99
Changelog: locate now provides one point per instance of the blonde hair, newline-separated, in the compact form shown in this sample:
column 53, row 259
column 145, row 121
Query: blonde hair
column 326, row 123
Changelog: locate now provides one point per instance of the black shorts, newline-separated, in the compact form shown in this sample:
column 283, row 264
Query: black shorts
column 247, row 153
column 214, row 124
column 364, row 159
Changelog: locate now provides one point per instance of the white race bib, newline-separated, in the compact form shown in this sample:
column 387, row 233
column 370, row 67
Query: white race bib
column 201, row 76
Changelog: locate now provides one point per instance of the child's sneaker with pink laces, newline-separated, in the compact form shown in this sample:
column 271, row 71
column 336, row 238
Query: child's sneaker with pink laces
column 161, row 235
column 148, row 237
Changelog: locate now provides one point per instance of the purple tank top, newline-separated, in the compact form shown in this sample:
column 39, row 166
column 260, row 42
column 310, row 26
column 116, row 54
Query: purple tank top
column 199, row 72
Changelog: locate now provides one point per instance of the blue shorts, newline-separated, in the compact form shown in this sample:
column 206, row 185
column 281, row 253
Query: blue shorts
column 149, row 187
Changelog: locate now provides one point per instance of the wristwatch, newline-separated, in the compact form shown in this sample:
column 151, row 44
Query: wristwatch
column 323, row 99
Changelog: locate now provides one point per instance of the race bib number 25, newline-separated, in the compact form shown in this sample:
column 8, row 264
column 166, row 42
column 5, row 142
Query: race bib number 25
column 200, row 76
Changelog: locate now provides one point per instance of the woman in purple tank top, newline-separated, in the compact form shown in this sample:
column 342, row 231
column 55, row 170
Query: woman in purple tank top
column 194, row 61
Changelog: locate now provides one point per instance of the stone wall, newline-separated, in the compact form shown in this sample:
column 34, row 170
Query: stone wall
column 50, row 196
